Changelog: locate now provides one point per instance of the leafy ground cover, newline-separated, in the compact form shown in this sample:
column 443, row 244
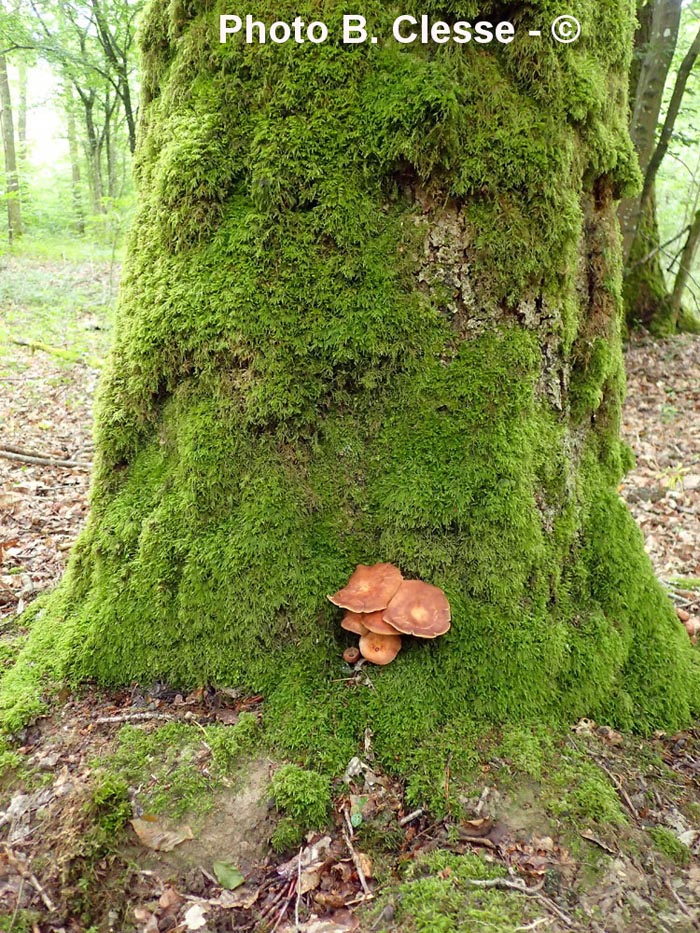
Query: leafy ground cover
column 146, row 810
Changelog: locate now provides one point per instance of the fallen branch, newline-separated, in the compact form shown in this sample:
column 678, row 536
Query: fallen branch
column 519, row 886
column 357, row 863
column 28, row 875
column 133, row 717
column 683, row 906
column 69, row 356
column 12, row 453
column 404, row 821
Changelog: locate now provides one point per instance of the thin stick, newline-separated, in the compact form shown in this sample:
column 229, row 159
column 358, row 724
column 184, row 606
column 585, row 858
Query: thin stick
column 552, row 906
column 505, row 883
column 132, row 717
column 44, row 461
column 683, row 906
column 404, row 821
column 298, row 900
column 27, row 873
column 17, row 903
column 357, row 863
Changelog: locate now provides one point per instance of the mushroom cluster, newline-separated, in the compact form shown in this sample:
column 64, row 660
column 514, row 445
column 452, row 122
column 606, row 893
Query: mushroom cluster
column 382, row 606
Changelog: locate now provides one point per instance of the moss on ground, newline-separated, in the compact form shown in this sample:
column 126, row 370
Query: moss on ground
column 435, row 896
column 166, row 762
column 670, row 845
column 292, row 390
column 304, row 797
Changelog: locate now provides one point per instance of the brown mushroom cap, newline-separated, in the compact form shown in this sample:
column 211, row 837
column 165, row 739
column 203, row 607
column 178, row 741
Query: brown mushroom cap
column 353, row 622
column 351, row 655
column 380, row 649
column 419, row 609
column 374, row 622
column 369, row 589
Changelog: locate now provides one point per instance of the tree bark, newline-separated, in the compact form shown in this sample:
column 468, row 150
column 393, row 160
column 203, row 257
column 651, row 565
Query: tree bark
column 684, row 270
column 22, row 112
column 74, row 154
column 14, row 210
column 372, row 313
column 93, row 151
column 656, row 43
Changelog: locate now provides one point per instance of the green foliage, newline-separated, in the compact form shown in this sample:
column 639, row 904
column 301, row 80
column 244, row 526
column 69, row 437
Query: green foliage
column 581, row 793
column 166, row 762
column 110, row 807
column 436, row 897
column 305, row 799
column 528, row 750
column 25, row 921
column 670, row 845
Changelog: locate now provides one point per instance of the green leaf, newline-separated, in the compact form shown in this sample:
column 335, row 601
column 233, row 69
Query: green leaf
column 228, row 875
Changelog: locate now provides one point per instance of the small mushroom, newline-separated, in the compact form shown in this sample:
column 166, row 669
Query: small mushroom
column 369, row 589
column 353, row 622
column 373, row 622
column 380, row 649
column 419, row 609
column 351, row 655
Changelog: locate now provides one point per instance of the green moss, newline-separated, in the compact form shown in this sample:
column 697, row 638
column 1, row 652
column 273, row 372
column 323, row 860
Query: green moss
column 166, row 762
column 110, row 807
column 371, row 311
column 527, row 751
column 24, row 921
column 580, row 793
column 436, row 897
column 304, row 797
column 670, row 845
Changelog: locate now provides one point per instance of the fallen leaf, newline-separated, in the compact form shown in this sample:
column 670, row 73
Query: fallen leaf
column 228, row 875
column 154, row 836
column 195, row 917
column 244, row 898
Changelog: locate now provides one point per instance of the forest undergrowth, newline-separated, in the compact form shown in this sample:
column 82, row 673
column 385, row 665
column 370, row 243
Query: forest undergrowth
column 146, row 810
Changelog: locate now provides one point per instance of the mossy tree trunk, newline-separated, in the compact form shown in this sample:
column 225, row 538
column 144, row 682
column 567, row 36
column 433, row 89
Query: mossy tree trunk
column 646, row 293
column 372, row 312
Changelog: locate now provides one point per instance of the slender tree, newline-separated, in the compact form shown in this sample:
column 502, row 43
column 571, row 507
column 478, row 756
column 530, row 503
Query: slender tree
column 683, row 275
column 14, row 210
column 371, row 312
column 655, row 44
column 647, row 296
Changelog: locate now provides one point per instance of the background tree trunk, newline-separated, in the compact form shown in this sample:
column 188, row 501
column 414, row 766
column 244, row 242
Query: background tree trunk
column 14, row 210
column 655, row 42
column 372, row 312
column 22, row 113
column 684, row 271
column 74, row 154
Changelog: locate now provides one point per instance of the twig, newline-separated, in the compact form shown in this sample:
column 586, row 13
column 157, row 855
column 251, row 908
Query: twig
column 357, row 863
column 43, row 461
column 683, row 906
column 17, row 903
column 552, row 906
column 285, row 906
column 589, row 837
column 298, row 900
column 132, row 717
column 68, row 356
column 28, row 874
column 533, row 925
column 505, row 883
column 404, row 821
column 618, row 785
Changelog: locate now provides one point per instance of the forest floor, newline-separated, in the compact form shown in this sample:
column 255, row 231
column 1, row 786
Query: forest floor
column 616, row 850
